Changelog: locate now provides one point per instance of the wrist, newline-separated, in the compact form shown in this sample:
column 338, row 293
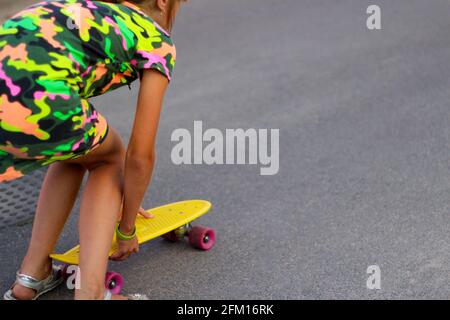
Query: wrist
column 126, row 229
column 124, row 235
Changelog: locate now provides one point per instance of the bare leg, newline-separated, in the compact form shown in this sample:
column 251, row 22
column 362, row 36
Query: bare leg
column 99, row 210
column 100, row 206
column 57, row 197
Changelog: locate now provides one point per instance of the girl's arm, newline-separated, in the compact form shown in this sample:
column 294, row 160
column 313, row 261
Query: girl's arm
column 141, row 155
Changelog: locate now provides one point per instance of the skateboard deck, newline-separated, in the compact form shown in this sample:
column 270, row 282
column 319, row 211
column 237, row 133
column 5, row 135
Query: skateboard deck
column 166, row 219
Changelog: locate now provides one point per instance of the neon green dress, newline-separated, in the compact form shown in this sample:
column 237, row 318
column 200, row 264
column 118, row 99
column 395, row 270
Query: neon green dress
column 54, row 56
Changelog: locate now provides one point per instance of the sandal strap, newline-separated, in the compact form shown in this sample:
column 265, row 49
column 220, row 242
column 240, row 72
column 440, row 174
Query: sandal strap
column 33, row 283
column 30, row 282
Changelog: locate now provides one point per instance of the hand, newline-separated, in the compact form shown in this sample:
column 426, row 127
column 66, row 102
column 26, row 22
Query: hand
column 145, row 214
column 141, row 212
column 125, row 249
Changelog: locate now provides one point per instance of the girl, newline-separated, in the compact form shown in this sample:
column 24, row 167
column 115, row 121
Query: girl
column 54, row 56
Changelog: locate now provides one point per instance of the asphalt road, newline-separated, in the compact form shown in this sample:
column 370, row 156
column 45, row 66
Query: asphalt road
column 364, row 161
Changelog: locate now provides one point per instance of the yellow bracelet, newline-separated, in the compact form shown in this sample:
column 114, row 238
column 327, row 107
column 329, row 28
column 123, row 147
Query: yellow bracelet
column 124, row 237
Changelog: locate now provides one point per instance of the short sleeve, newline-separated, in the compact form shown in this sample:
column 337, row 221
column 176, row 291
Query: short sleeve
column 158, row 53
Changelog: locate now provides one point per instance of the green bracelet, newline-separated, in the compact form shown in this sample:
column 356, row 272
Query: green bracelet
column 124, row 237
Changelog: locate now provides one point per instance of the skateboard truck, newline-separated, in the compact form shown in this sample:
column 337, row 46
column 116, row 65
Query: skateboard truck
column 199, row 237
column 183, row 231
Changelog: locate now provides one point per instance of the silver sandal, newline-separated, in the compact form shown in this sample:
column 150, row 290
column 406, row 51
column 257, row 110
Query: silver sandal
column 40, row 286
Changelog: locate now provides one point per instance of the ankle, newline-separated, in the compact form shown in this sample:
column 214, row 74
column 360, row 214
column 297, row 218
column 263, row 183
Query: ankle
column 40, row 270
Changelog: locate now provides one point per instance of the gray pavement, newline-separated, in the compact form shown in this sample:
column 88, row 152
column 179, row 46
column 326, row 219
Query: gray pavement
column 8, row 8
column 364, row 139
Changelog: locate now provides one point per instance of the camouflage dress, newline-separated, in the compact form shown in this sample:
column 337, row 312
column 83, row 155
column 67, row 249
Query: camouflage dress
column 54, row 56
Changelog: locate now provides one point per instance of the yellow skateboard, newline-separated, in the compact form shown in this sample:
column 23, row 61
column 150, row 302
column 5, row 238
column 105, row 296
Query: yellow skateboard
column 172, row 222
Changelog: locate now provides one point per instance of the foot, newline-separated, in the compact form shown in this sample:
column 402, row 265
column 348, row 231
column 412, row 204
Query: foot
column 22, row 293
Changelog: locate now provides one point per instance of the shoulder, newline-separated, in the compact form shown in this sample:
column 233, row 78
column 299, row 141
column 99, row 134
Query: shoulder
column 156, row 50
column 159, row 54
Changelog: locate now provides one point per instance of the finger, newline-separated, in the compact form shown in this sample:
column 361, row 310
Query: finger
column 119, row 255
column 142, row 211
column 146, row 214
column 116, row 256
column 122, row 257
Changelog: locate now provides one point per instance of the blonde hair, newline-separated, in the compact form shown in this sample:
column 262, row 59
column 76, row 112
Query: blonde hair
column 152, row 4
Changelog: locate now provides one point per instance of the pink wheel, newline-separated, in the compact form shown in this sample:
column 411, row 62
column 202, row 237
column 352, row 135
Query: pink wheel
column 202, row 238
column 113, row 282
column 170, row 236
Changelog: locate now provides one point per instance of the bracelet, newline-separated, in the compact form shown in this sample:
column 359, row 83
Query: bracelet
column 124, row 237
